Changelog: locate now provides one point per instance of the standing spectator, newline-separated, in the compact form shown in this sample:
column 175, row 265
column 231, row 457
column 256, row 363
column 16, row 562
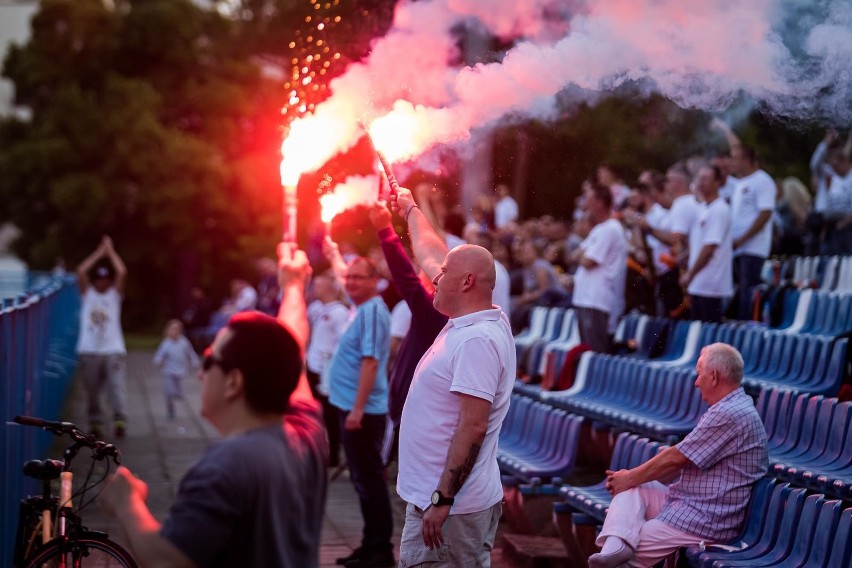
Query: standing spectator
column 359, row 391
column 506, row 208
column 751, row 210
column 608, row 176
column 196, row 317
column 838, row 209
column 175, row 358
column 448, row 472
column 267, row 287
column 257, row 496
column 673, row 230
column 416, row 290
column 708, row 280
column 101, row 342
column 599, row 281
column 713, row 469
column 328, row 318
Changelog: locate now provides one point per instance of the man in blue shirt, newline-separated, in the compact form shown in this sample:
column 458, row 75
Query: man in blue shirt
column 359, row 390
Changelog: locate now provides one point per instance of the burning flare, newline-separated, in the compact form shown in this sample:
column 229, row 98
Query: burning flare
column 355, row 190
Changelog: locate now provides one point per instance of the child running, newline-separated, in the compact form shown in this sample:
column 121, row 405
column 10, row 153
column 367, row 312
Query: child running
column 175, row 358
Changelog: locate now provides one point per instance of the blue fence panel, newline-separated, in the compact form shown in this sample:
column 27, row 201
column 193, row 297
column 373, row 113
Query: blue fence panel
column 38, row 336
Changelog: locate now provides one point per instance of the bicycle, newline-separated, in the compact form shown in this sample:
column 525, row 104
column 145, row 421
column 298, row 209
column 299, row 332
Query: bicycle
column 50, row 531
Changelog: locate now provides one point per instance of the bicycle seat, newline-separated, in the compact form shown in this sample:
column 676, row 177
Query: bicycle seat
column 43, row 470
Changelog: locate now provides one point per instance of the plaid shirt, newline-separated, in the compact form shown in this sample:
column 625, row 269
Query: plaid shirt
column 727, row 454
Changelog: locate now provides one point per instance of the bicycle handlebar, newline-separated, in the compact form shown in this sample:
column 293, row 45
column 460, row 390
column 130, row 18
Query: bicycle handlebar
column 102, row 450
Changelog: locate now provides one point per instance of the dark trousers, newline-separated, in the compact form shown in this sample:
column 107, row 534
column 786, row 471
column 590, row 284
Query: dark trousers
column 669, row 292
column 363, row 449
column 747, row 274
column 705, row 308
column 593, row 326
column 329, row 417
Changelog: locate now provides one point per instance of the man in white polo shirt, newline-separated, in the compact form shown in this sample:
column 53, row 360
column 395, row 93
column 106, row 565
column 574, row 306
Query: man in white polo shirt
column 455, row 407
column 751, row 210
column 708, row 280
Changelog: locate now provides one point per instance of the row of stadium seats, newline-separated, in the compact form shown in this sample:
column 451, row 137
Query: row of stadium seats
column 821, row 272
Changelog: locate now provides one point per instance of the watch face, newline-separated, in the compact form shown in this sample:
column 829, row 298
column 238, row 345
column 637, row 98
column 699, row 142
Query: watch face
column 435, row 497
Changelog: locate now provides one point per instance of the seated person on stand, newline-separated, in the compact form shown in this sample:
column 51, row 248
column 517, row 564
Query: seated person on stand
column 714, row 469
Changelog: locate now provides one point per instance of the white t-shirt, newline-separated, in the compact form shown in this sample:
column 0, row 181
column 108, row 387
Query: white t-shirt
column 505, row 211
column 400, row 319
column 683, row 214
column 715, row 280
column 100, row 323
column 838, row 199
column 328, row 322
column 502, row 287
column 473, row 355
column 602, row 287
column 658, row 218
column 754, row 193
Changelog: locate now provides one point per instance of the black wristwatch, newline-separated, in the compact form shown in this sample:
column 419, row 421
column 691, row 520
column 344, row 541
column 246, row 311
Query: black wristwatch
column 439, row 500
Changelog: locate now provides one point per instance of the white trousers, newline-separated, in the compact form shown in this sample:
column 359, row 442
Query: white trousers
column 631, row 518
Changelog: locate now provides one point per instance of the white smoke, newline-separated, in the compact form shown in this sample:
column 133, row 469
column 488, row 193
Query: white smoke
column 792, row 57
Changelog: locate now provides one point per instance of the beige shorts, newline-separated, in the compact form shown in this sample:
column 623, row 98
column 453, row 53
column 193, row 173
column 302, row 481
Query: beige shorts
column 468, row 539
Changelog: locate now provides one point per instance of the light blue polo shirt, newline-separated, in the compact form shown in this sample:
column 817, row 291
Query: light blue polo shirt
column 367, row 336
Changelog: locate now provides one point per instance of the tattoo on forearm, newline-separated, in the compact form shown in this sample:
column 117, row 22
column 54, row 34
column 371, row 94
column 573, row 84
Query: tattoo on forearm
column 460, row 474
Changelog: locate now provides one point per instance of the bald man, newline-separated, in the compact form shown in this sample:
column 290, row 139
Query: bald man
column 458, row 399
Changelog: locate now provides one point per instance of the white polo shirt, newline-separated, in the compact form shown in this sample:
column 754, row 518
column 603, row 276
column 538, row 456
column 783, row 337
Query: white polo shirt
column 753, row 194
column 602, row 287
column 683, row 214
column 715, row 280
column 473, row 355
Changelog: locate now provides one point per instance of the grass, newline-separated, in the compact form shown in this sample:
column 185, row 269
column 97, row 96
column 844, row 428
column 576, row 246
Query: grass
column 142, row 341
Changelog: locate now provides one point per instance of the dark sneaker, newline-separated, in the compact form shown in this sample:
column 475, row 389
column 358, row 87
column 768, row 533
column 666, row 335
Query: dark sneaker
column 120, row 428
column 355, row 555
column 373, row 559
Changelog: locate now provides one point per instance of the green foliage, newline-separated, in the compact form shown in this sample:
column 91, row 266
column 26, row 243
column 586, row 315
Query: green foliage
column 148, row 124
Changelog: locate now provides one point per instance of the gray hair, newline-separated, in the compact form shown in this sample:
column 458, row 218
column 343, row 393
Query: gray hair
column 726, row 360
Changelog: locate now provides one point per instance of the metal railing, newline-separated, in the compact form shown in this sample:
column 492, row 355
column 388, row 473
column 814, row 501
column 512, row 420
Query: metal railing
column 38, row 335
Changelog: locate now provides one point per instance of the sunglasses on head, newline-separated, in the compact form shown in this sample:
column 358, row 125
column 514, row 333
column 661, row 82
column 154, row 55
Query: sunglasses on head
column 210, row 359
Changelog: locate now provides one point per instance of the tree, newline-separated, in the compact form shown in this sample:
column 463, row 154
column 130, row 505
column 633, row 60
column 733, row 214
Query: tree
column 149, row 124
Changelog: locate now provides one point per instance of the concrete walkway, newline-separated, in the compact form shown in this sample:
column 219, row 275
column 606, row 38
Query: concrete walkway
column 159, row 451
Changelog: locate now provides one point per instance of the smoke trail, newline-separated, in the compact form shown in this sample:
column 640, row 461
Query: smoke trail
column 791, row 56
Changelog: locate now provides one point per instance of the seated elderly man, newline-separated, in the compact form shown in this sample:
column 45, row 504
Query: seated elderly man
column 714, row 466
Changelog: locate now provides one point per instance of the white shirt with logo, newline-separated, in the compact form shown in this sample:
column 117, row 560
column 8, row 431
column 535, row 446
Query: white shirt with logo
column 715, row 280
column 602, row 287
column 100, row 323
column 754, row 193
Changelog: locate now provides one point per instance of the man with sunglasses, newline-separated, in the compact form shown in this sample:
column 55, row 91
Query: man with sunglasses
column 255, row 498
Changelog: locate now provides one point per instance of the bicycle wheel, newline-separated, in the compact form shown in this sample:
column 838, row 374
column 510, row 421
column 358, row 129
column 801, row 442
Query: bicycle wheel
column 81, row 552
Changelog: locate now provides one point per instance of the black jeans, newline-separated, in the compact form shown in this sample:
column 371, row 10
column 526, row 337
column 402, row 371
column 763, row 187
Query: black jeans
column 363, row 449
column 593, row 326
column 747, row 274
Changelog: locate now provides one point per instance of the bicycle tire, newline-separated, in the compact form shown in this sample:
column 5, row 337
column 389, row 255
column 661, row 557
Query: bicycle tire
column 86, row 551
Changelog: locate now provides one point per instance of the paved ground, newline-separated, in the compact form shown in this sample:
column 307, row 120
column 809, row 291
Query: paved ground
column 160, row 450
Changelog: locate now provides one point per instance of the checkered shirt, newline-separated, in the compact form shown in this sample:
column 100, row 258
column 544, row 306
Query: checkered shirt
column 727, row 454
